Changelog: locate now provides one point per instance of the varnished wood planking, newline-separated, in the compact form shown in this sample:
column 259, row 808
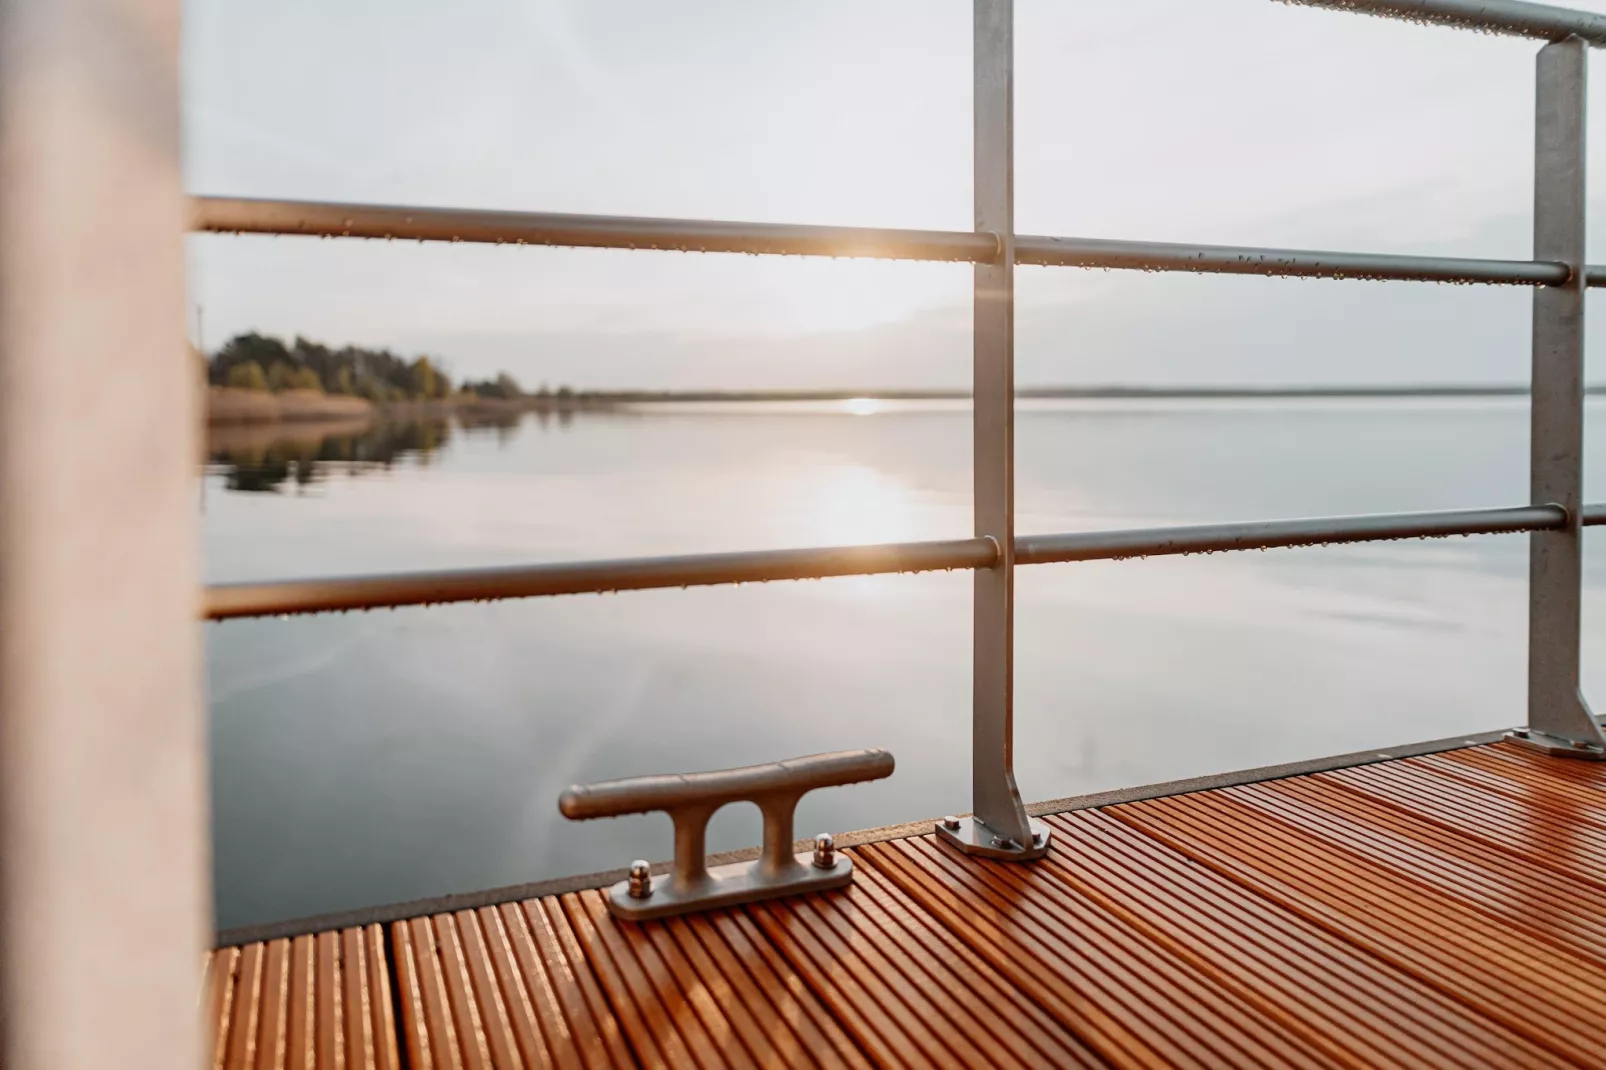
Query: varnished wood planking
column 1527, row 985
column 1436, row 911
column 1137, row 1004
column 219, row 999
column 504, row 987
column 709, row 991
column 1316, row 985
column 312, row 1003
column 1486, row 768
column 1514, row 891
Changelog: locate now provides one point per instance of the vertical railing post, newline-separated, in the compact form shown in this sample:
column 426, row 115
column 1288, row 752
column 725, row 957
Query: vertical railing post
column 1559, row 721
column 104, row 894
column 1000, row 827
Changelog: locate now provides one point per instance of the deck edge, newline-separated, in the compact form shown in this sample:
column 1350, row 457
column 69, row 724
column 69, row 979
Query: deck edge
column 391, row 912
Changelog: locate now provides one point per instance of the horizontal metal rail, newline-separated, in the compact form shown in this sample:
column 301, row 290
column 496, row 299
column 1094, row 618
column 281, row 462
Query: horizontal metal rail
column 229, row 601
column 591, row 577
column 1269, row 534
column 1543, row 21
column 1293, row 263
column 240, row 216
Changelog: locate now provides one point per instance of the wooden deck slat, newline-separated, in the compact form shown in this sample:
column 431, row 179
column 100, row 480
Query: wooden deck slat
column 1505, row 824
column 382, row 1008
column 787, row 1036
column 1342, row 997
column 1374, row 891
column 1013, row 1022
column 247, row 1005
column 880, row 1035
column 1440, row 911
column 1165, row 982
column 1013, row 1031
column 1544, row 902
column 331, row 1039
column 708, row 1031
column 833, row 945
column 1567, row 799
column 653, row 1017
column 312, row 1003
column 473, row 1044
column 1386, row 914
column 1157, row 985
column 488, row 1009
column 410, row 1000
column 1108, row 1034
column 301, row 1043
column 495, row 970
column 356, row 1000
column 273, row 1030
column 821, row 1035
column 730, row 992
column 1104, row 1000
column 1367, row 891
column 219, row 986
column 586, row 1027
column 1588, row 774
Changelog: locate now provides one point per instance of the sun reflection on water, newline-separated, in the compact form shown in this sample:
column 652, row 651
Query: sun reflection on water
column 853, row 503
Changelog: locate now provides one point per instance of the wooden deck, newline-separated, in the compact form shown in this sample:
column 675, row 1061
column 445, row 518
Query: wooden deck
column 1447, row 910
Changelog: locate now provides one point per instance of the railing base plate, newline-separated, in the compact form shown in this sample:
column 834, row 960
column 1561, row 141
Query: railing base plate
column 974, row 838
column 1555, row 746
column 741, row 882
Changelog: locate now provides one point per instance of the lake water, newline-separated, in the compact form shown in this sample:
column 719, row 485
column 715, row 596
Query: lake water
column 375, row 757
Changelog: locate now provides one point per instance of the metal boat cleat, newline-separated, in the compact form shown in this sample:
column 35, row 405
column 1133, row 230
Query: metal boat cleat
column 690, row 799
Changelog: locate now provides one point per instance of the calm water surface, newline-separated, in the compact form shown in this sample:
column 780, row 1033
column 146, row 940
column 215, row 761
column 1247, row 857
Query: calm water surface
column 376, row 757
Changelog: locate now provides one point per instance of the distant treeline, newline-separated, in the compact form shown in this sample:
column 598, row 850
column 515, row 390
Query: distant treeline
column 257, row 362
column 1409, row 390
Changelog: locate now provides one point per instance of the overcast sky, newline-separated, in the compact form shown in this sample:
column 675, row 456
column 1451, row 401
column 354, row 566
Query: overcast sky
column 1232, row 121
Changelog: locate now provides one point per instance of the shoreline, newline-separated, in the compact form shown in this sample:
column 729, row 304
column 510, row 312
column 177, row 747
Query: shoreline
column 228, row 407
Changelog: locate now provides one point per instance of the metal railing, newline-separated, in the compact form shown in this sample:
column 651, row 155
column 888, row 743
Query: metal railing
column 276, row 598
column 1558, row 719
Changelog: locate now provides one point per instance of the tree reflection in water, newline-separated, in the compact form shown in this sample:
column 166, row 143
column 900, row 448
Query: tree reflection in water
column 268, row 457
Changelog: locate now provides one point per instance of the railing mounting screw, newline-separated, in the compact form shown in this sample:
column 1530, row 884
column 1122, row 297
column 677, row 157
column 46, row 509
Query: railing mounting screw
column 950, row 822
column 640, row 879
column 824, row 851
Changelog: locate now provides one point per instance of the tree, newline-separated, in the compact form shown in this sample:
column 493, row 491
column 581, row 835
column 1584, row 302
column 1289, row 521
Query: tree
column 426, row 381
column 248, row 348
column 504, row 386
column 246, row 376
column 373, row 389
column 320, row 358
column 376, row 374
